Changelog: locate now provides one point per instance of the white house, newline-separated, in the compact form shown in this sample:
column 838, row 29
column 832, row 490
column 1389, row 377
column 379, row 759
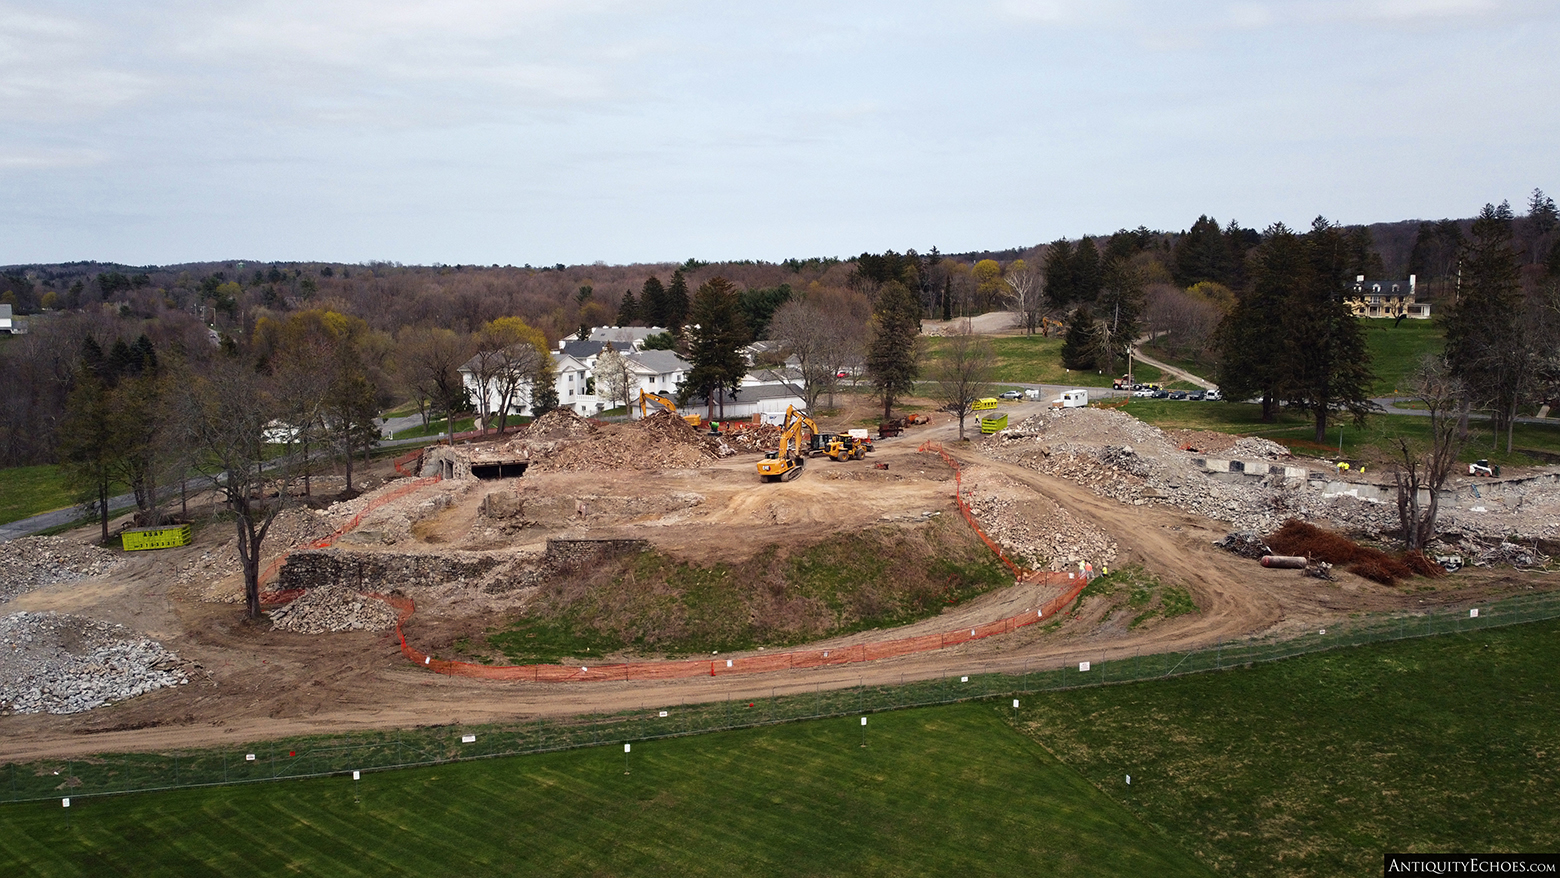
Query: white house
column 6, row 323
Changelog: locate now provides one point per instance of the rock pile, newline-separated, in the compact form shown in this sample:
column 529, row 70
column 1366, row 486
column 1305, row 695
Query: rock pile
column 54, row 663
column 1245, row 544
column 333, row 608
column 34, row 562
column 1031, row 528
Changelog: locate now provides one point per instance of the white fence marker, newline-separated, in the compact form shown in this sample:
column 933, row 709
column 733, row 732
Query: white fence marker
column 964, row 679
column 468, row 739
column 249, row 757
column 663, row 713
column 65, row 802
column 357, row 775
column 1083, row 666
column 1473, row 613
column 627, row 747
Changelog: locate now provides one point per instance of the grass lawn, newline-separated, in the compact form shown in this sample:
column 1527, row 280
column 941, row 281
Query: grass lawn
column 1395, row 352
column 436, row 428
column 938, row 791
column 1034, row 359
column 1317, row 765
column 26, row 491
column 1533, row 443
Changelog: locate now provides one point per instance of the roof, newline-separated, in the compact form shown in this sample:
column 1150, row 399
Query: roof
column 624, row 333
column 660, row 362
column 587, row 349
column 755, row 393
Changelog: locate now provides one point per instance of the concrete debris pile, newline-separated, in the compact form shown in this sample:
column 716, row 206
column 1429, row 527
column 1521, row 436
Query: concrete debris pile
column 34, row 562
column 55, row 663
column 1031, row 528
column 1245, row 544
column 1510, row 555
column 333, row 608
column 1318, row 570
column 1255, row 446
column 1120, row 457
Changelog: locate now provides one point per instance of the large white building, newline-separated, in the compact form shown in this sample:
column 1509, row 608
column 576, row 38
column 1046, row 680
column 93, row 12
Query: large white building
column 656, row 372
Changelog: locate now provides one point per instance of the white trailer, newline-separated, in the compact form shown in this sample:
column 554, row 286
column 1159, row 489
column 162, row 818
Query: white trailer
column 1071, row 399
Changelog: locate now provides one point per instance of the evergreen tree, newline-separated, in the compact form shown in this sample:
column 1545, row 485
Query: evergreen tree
column 1120, row 306
column 947, row 298
column 1087, row 274
column 677, row 305
column 1059, row 286
column 1251, row 356
column 1327, row 362
column 1484, row 336
column 652, row 304
column 88, row 440
column 1202, row 254
column 893, row 355
column 716, row 333
column 628, row 310
column 1081, row 346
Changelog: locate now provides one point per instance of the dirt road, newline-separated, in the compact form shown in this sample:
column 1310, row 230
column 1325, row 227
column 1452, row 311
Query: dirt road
column 251, row 683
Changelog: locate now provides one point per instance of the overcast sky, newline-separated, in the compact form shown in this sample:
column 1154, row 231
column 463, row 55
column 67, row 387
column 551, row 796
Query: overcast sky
column 465, row 131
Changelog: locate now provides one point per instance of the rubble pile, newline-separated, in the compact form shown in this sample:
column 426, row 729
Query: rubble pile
column 55, row 663
column 1120, row 457
column 752, row 440
column 333, row 608
column 1245, row 544
column 1510, row 555
column 660, row 441
column 1031, row 528
column 34, row 562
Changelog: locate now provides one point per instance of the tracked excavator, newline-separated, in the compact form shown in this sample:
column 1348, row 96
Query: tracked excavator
column 786, row 463
column 646, row 397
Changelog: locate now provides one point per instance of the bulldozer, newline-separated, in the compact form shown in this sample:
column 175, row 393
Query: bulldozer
column 646, row 397
column 842, row 447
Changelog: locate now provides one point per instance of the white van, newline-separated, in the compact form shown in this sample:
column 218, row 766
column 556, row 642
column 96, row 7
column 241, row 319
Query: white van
column 1071, row 399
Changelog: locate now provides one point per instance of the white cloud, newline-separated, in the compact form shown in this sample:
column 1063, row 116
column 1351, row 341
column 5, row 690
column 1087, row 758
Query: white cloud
column 35, row 159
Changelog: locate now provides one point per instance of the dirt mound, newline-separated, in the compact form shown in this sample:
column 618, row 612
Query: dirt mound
column 753, row 440
column 661, row 441
column 560, row 424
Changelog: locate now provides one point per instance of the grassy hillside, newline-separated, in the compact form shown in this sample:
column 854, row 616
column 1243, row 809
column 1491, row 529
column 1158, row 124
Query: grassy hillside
column 942, row 791
column 26, row 491
column 1395, row 351
column 876, row 577
column 1034, row 359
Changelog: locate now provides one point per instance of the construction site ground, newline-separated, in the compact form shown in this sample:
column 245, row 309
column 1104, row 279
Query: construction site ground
column 249, row 682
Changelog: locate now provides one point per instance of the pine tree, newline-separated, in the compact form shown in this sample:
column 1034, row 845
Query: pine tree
column 628, row 310
column 1059, row 287
column 1326, row 359
column 652, row 303
column 716, row 334
column 1087, row 274
column 1251, row 355
column 1484, row 339
column 1081, row 346
column 677, row 306
column 893, row 355
column 1202, row 254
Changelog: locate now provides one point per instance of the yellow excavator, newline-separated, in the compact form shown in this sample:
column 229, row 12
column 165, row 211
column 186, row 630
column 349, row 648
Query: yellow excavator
column 786, row 463
column 646, row 397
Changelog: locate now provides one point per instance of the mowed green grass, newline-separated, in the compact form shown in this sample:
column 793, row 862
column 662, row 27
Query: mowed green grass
column 1317, row 765
column 938, row 791
column 1532, row 443
column 1034, row 359
column 1396, row 351
column 26, row 491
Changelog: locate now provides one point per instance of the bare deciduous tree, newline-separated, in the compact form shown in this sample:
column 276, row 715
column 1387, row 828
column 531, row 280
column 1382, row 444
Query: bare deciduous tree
column 963, row 374
column 825, row 342
column 1419, row 468
column 1026, row 293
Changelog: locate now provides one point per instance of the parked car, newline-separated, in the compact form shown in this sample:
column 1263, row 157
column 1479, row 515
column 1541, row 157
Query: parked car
column 1161, row 394
column 1011, row 394
column 1178, row 394
column 1212, row 395
column 1195, row 395
column 1143, row 393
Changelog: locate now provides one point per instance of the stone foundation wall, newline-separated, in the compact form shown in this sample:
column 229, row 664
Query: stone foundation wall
column 573, row 553
column 381, row 571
